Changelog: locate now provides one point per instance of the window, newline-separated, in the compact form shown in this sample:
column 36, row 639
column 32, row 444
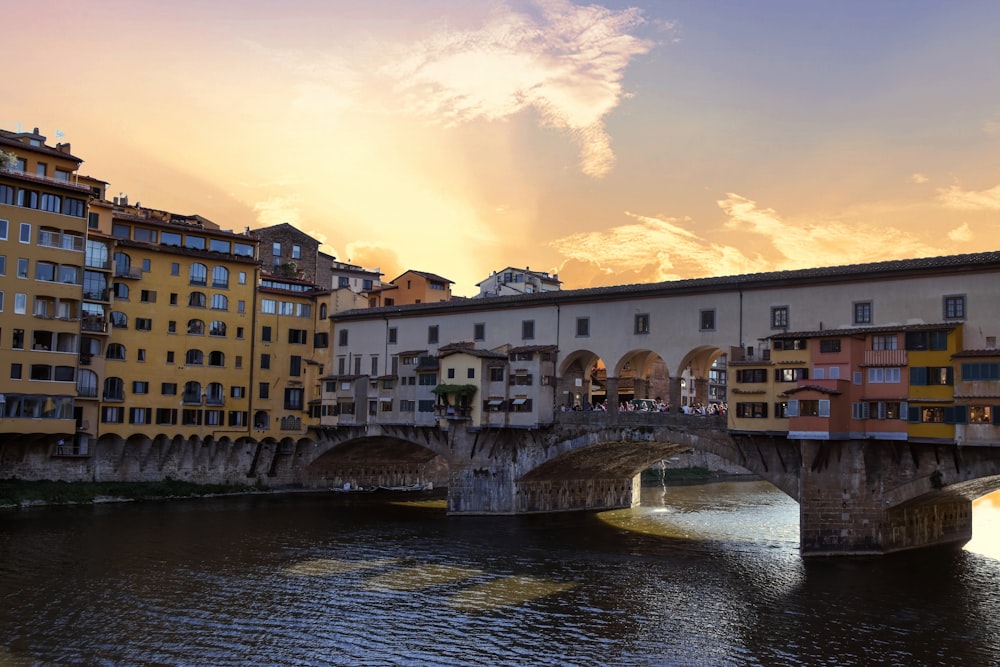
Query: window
column 706, row 321
column 265, row 361
column 217, row 328
column 147, row 296
column 885, row 342
column 220, row 302
column 198, row 274
column 342, row 338
column 392, row 334
column 527, row 329
column 297, row 336
column 3, row 223
column 293, row 398
column 168, row 388
column 980, row 371
column 140, row 387
column 451, row 373
column 752, row 410
column 15, row 371
column 170, row 356
column 954, row 307
column 582, row 327
column 926, row 340
column 829, row 345
column 115, row 351
column 166, row 415
column 196, row 328
column 808, row 408
column 791, row 374
column 931, row 375
column 196, row 300
column 175, row 269
column 295, row 365
column 751, row 375
column 470, row 373
column 862, row 312
column 220, row 277
column 432, row 334
column 20, row 303
column 276, row 252
column 479, row 331
column 642, row 323
column 496, row 374
column 216, row 358
column 143, row 324
column 264, row 390
column 884, row 375
column 237, row 392
column 296, row 252
column 25, row 236
column 17, row 341
column 22, row 267
column 779, row 317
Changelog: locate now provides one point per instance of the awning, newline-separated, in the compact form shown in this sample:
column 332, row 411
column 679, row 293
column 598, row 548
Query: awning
column 385, row 399
column 519, row 401
column 495, row 402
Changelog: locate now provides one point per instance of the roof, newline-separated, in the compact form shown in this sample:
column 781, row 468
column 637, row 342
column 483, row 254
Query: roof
column 532, row 348
column 923, row 267
column 813, row 387
column 863, row 331
column 13, row 139
column 284, row 227
column 424, row 274
column 977, row 353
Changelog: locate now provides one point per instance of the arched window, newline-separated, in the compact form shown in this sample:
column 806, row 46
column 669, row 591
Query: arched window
column 194, row 358
column 216, row 358
column 196, row 300
column 217, row 328
column 196, row 327
column 119, row 320
column 116, row 351
column 215, row 394
column 123, row 264
column 114, row 389
column 121, row 291
column 261, row 420
column 220, row 302
column 322, row 311
column 220, row 276
column 199, row 274
column 86, row 383
column 192, row 392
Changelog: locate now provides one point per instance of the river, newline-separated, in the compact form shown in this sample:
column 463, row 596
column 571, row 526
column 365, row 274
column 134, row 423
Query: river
column 699, row 575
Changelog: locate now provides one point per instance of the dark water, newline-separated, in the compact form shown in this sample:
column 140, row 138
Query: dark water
column 701, row 575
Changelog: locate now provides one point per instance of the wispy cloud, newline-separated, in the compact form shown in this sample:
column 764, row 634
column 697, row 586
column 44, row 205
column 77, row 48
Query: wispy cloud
column 970, row 200
column 961, row 234
column 656, row 249
column 566, row 64
column 277, row 210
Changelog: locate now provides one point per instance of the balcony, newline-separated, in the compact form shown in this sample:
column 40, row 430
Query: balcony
column 127, row 272
column 93, row 324
column 48, row 239
column 191, row 399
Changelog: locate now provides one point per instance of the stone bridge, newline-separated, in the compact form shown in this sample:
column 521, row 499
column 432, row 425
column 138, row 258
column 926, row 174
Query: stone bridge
column 856, row 496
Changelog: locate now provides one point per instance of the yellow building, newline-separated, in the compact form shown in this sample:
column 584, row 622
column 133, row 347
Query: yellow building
column 291, row 326
column 177, row 357
column 43, row 225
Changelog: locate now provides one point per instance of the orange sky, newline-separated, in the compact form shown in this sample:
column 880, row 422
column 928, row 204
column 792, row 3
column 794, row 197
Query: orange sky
column 610, row 143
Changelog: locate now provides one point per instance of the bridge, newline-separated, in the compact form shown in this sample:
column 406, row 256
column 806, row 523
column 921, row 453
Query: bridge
column 854, row 499
column 478, row 386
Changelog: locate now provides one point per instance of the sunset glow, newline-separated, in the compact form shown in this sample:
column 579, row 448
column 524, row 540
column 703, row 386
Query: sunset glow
column 611, row 143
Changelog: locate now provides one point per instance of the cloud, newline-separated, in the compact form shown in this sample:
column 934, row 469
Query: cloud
column 961, row 234
column 566, row 65
column 970, row 200
column 375, row 257
column 277, row 210
column 918, row 178
column 660, row 249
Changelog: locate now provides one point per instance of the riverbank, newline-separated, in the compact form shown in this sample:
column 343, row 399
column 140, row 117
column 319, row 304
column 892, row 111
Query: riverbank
column 15, row 493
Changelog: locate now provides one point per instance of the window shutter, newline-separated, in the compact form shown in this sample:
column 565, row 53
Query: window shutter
column 995, row 414
column 857, row 377
column 913, row 414
column 824, row 407
column 793, row 408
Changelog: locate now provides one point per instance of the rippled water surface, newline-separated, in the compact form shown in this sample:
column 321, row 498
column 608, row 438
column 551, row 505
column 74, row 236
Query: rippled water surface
column 700, row 575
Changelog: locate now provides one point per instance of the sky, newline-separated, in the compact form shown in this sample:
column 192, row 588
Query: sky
column 610, row 143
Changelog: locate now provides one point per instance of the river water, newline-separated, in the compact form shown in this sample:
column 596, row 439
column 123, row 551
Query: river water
column 699, row 575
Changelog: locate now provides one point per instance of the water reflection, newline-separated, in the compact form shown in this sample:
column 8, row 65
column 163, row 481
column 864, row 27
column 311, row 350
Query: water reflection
column 700, row 575
column 986, row 526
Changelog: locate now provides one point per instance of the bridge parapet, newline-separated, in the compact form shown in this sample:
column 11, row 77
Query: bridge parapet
column 599, row 418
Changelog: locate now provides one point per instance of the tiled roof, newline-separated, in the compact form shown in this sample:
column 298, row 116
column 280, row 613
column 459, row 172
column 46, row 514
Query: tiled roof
column 861, row 331
column 977, row 353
